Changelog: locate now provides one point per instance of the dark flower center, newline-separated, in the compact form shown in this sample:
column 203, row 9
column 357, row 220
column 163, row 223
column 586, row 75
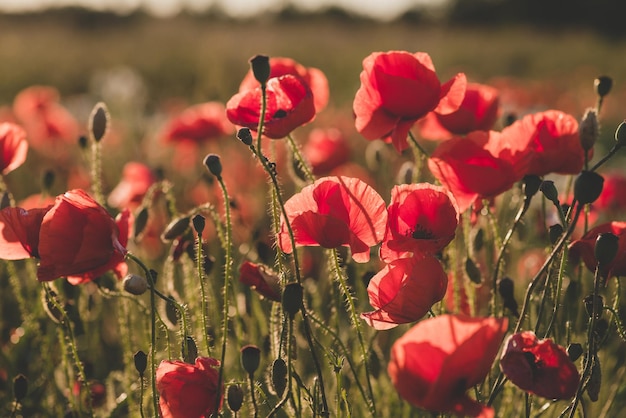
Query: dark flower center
column 422, row 233
column 279, row 114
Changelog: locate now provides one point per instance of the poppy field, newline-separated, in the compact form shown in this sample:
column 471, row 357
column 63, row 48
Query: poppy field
column 431, row 241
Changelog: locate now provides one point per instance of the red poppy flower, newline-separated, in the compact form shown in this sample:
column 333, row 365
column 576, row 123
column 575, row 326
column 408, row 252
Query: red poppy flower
column 584, row 249
column 130, row 191
column 481, row 164
column 333, row 212
column 397, row 89
column 49, row 126
column 313, row 77
column 434, row 363
column 540, row 367
column 261, row 279
column 404, row 290
column 612, row 198
column 74, row 238
column 422, row 218
column 188, row 390
column 326, row 149
column 199, row 123
column 13, row 147
column 289, row 105
column 553, row 138
column 478, row 112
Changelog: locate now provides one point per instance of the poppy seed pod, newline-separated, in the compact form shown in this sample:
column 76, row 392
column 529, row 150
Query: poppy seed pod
column 250, row 358
column 588, row 129
column 279, row 376
column 234, row 397
column 506, row 289
column 620, row 134
column 191, row 352
column 20, row 387
column 588, row 186
column 99, row 121
column 548, row 189
column 175, row 228
column 292, row 298
column 135, row 285
column 606, row 248
column 141, row 361
column 199, row 223
column 260, row 65
column 531, row 184
column 141, row 220
column 603, row 85
column 213, row 164
column 245, row 136
column 574, row 351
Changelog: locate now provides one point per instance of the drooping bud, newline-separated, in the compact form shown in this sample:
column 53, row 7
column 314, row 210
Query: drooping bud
column 589, row 302
column 20, row 387
column 292, row 298
column 141, row 362
column 199, row 223
column 260, row 68
column 603, row 85
column 574, row 351
column 135, row 285
column 588, row 129
column 472, row 271
column 99, row 121
column 554, row 232
column 279, row 376
column 588, row 186
column 245, row 136
column 213, row 164
column 548, row 189
column 47, row 180
column 530, row 185
column 620, row 134
column 250, row 358
column 191, row 353
column 234, row 397
column 175, row 228
column 141, row 220
column 606, row 248
column 506, row 289
column 478, row 241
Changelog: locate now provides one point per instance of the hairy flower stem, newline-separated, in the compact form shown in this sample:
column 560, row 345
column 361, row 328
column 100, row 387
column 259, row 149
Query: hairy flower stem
column 419, row 153
column 200, row 271
column 96, row 171
column 288, row 390
column 302, row 163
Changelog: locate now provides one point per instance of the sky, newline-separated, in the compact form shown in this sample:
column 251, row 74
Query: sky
column 382, row 9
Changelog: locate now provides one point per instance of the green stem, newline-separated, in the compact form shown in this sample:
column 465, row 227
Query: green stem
column 302, row 163
column 96, row 171
column 200, row 270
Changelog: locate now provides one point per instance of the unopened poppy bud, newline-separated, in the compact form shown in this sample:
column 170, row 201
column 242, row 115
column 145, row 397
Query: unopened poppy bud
column 620, row 134
column 588, row 186
column 234, row 397
column 279, row 376
column 47, row 180
column 245, row 136
column 554, row 232
column 530, row 185
column 99, row 121
column 250, row 358
column 5, row 200
column 260, row 68
column 292, row 298
column 20, row 387
column 506, row 289
column 605, row 250
column 190, row 353
column 595, row 379
column 213, row 163
column 472, row 271
column 588, row 129
column 603, row 85
column 405, row 173
column 589, row 302
column 374, row 364
column 479, row 240
column 574, row 351
column 83, row 142
column 548, row 189
column 175, row 228
column 198, row 222
column 509, row 119
column 171, row 311
column 135, row 285
column 141, row 220
column 141, row 362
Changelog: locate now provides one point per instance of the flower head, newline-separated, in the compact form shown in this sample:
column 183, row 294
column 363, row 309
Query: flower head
column 538, row 366
column 261, row 279
column 325, row 150
column 188, row 390
column 397, row 89
column 434, row 363
column 333, row 212
column 13, row 147
column 130, row 191
column 199, row 123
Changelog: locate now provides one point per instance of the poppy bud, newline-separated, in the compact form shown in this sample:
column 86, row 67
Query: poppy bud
column 47, row 180
column 374, row 364
column 588, row 129
column 405, row 174
column 588, row 186
column 245, row 136
column 135, row 285
column 605, row 250
column 213, row 163
column 279, row 376
column 250, row 358
column 260, row 68
column 20, row 387
column 509, row 119
column 171, row 311
column 5, row 200
column 530, row 185
column 620, row 134
column 83, row 142
column 574, row 351
column 141, row 362
column 190, row 355
column 555, row 231
column 99, row 121
column 603, row 85
column 595, row 380
column 292, row 298
column 141, row 220
column 548, row 189
column 175, row 228
column 506, row 290
column 234, row 397
column 479, row 240
column 599, row 302
column 198, row 222
column 472, row 271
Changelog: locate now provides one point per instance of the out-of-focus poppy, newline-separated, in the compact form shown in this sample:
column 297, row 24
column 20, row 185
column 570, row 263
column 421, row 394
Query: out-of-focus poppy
column 289, row 105
column 130, row 191
column 261, row 279
column 74, row 238
column 612, row 198
column 538, row 366
column 188, row 390
column 422, row 218
column 326, row 149
column 397, row 89
column 313, row 77
column 583, row 248
column 199, row 123
column 434, row 363
column 404, row 290
column 333, row 212
column 479, row 111
column 13, row 147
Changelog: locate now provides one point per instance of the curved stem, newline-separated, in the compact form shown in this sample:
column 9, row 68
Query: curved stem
column 302, row 163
